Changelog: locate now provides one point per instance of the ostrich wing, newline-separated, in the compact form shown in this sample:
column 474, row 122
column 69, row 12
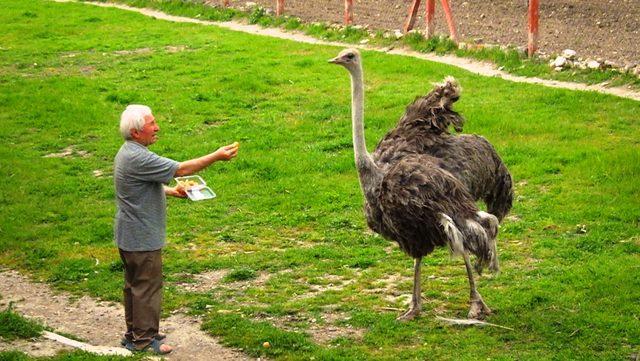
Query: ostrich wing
column 413, row 193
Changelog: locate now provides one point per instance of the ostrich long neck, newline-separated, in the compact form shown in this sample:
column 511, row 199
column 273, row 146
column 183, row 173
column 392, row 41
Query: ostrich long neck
column 367, row 170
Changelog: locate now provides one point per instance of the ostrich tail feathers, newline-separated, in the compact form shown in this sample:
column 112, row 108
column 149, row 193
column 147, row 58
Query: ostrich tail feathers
column 477, row 236
column 436, row 108
column 445, row 94
column 490, row 224
column 455, row 237
column 450, row 90
column 480, row 239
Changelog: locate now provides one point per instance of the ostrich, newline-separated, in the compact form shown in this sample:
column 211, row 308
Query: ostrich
column 416, row 203
column 424, row 128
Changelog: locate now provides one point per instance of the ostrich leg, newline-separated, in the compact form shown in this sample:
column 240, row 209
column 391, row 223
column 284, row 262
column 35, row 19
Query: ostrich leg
column 416, row 300
column 478, row 309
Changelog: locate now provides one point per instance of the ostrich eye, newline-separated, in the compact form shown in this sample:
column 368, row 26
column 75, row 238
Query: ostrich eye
column 350, row 56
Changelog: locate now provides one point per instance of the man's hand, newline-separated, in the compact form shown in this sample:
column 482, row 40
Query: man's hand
column 177, row 191
column 227, row 152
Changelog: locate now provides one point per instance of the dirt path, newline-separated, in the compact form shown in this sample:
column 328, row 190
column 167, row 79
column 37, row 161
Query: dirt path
column 476, row 67
column 98, row 323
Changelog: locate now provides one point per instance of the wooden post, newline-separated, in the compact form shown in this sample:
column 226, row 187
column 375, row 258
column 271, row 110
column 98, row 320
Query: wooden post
column 534, row 17
column 413, row 11
column 280, row 8
column 449, row 17
column 348, row 12
column 428, row 16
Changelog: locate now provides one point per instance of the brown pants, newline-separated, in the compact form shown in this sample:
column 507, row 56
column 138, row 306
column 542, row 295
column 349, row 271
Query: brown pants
column 142, row 295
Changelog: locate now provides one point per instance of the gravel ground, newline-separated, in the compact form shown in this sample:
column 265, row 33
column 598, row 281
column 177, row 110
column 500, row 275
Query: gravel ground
column 595, row 29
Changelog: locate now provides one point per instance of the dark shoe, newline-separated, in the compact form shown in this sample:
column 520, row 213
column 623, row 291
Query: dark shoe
column 159, row 337
column 153, row 347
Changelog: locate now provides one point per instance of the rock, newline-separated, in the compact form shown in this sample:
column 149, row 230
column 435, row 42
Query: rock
column 250, row 4
column 636, row 71
column 593, row 64
column 569, row 54
column 559, row 62
column 398, row 34
column 364, row 41
column 628, row 67
column 462, row 45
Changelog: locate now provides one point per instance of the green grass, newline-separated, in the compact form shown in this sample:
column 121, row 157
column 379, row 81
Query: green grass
column 13, row 326
column 290, row 206
column 510, row 59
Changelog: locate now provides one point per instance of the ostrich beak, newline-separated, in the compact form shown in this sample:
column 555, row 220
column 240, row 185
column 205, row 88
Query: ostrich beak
column 334, row 60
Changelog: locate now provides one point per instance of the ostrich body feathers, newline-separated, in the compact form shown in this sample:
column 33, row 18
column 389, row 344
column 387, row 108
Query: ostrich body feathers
column 424, row 129
column 414, row 198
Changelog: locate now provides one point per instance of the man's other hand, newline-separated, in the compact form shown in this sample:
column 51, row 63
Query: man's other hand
column 177, row 191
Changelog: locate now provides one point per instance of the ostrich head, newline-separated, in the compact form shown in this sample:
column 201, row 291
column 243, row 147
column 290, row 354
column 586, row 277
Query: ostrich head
column 349, row 58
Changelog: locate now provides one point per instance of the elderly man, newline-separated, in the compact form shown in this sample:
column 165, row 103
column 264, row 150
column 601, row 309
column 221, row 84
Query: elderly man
column 140, row 178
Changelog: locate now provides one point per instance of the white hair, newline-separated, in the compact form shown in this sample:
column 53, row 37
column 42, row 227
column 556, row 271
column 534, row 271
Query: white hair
column 133, row 118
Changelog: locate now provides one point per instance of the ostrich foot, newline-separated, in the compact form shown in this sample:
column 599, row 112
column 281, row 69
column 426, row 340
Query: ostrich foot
column 478, row 310
column 412, row 313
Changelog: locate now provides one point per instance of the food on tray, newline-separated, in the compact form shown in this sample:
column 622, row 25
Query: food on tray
column 186, row 184
column 195, row 187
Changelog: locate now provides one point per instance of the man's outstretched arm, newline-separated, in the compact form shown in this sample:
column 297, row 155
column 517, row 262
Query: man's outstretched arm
column 195, row 165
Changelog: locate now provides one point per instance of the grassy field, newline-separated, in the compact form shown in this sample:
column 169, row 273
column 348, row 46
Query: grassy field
column 287, row 230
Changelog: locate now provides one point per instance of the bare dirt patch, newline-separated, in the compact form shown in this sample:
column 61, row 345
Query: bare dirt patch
column 208, row 281
column 176, row 48
column 98, row 323
column 322, row 331
column 140, row 51
column 69, row 151
column 593, row 28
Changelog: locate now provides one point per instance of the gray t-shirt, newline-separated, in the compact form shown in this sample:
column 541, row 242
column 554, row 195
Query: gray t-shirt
column 139, row 174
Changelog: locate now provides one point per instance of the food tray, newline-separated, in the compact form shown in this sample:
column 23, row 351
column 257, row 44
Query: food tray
column 197, row 189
